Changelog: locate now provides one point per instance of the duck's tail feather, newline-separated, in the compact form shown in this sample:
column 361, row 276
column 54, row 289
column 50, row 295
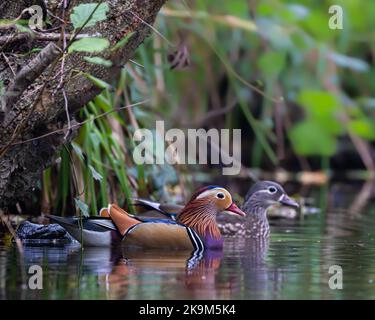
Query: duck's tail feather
column 94, row 231
column 97, row 224
column 62, row 221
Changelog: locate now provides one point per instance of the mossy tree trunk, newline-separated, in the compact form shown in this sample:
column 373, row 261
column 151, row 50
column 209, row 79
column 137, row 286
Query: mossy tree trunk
column 39, row 107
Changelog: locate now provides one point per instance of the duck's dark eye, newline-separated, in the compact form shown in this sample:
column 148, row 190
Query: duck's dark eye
column 272, row 190
column 220, row 195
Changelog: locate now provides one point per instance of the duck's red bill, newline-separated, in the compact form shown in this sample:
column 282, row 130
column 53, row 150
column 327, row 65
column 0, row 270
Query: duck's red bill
column 233, row 208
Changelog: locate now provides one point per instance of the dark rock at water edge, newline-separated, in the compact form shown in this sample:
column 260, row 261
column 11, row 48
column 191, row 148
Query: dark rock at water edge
column 32, row 231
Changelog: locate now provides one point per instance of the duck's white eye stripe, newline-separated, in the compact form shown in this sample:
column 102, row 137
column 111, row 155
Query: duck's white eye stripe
column 213, row 192
column 206, row 194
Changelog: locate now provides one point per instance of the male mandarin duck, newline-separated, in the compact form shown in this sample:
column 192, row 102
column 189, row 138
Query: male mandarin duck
column 195, row 227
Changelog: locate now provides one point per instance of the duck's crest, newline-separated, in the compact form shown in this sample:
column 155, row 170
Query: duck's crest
column 203, row 189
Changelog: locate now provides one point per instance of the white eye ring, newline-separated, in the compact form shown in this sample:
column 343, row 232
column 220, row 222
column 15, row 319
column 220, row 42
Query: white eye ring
column 272, row 190
column 220, row 195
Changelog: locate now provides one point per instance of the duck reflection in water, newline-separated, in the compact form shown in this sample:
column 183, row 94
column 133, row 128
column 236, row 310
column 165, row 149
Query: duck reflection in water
column 183, row 270
column 198, row 275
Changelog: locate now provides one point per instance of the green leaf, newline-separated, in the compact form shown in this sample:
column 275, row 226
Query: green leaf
column 322, row 107
column 309, row 138
column 98, row 82
column 82, row 13
column 21, row 28
column 265, row 9
column 318, row 101
column 95, row 139
column 363, row 128
column 316, row 24
column 77, row 149
column 97, row 176
column 122, row 42
column 272, row 63
column 89, row 45
column 98, row 60
column 83, row 207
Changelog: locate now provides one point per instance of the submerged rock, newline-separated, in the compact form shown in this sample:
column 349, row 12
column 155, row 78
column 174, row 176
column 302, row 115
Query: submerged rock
column 32, row 231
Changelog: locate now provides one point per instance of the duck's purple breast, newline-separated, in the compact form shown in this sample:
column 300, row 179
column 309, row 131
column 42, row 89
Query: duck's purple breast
column 212, row 243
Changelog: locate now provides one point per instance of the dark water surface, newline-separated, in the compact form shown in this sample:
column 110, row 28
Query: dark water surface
column 295, row 264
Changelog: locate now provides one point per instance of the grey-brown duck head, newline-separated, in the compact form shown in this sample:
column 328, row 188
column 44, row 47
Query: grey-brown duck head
column 264, row 194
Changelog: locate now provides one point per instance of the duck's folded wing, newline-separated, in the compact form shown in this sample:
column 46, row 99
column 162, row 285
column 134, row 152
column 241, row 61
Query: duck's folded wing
column 169, row 210
column 99, row 224
column 106, row 223
column 164, row 235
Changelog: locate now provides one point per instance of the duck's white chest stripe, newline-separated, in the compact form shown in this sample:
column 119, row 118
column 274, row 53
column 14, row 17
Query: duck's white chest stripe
column 195, row 239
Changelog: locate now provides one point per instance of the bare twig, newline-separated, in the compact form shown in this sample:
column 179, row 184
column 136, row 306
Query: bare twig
column 66, row 105
column 51, row 36
column 80, row 124
column 152, row 28
column 61, row 82
column 11, row 38
column 8, row 63
column 362, row 198
column 136, row 63
column 213, row 113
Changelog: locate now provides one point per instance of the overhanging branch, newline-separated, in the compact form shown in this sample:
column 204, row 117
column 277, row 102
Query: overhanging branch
column 27, row 75
column 22, row 164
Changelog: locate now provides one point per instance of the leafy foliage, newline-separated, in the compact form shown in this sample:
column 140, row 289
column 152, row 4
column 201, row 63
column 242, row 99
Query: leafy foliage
column 81, row 14
column 271, row 63
column 89, row 45
column 83, row 207
column 99, row 60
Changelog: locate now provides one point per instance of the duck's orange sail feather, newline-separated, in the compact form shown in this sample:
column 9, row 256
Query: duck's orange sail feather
column 119, row 217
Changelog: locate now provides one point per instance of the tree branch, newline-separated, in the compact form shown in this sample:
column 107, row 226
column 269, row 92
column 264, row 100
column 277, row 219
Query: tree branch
column 27, row 75
column 49, row 36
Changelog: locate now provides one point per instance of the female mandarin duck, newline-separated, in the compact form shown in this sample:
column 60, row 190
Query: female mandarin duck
column 260, row 197
column 195, row 227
